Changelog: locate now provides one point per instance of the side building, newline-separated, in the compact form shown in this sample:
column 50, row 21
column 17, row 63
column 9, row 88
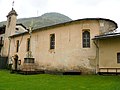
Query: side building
column 108, row 53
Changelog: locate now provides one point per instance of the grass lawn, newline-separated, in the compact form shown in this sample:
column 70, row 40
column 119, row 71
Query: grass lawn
column 57, row 82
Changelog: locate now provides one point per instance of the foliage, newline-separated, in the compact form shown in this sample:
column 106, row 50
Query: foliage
column 57, row 82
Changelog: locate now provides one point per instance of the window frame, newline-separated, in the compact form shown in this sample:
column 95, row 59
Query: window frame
column 9, row 21
column 52, row 41
column 17, row 46
column 118, row 57
column 86, row 38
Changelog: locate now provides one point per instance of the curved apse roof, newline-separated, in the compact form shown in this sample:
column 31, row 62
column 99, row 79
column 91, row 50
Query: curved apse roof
column 67, row 22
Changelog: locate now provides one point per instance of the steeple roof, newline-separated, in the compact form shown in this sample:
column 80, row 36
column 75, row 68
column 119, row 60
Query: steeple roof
column 12, row 12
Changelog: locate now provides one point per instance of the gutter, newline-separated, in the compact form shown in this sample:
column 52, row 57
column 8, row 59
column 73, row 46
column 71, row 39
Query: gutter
column 97, row 55
column 9, row 49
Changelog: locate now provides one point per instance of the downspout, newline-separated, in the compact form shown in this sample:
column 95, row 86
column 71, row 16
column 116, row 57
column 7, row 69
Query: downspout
column 97, row 56
column 9, row 49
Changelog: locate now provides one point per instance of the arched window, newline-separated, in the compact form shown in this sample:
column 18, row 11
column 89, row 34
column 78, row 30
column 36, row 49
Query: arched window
column 86, row 39
column 9, row 20
column 17, row 47
column 52, row 41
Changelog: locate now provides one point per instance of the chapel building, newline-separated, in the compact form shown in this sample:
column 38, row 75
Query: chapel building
column 87, row 45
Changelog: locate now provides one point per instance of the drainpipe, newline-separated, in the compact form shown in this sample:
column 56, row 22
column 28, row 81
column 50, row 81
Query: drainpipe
column 9, row 49
column 97, row 55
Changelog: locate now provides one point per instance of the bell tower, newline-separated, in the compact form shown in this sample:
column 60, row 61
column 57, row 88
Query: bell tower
column 11, row 23
column 9, row 31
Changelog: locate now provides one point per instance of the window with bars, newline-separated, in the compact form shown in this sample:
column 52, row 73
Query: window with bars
column 17, row 45
column 118, row 57
column 52, row 41
column 28, row 44
column 86, row 39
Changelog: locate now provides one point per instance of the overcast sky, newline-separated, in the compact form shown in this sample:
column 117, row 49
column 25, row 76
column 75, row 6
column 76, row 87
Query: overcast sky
column 75, row 9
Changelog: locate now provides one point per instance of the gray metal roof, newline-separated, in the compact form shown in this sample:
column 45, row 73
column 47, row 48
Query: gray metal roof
column 105, row 36
column 68, row 22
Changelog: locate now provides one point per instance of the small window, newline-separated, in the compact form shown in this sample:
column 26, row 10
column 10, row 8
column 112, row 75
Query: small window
column 1, row 38
column 52, row 41
column 118, row 57
column 28, row 44
column 86, row 39
column 17, row 47
column 9, row 20
column 17, row 29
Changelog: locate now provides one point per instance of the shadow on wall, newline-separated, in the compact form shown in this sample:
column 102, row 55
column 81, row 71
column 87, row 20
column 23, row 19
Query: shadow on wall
column 4, row 62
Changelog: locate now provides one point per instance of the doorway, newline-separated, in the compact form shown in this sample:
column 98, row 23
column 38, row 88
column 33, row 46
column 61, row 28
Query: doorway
column 16, row 62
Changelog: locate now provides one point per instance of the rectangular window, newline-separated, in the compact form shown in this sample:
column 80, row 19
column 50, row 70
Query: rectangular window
column 17, row 45
column 52, row 41
column 9, row 20
column 86, row 39
column 28, row 44
column 1, row 40
column 118, row 57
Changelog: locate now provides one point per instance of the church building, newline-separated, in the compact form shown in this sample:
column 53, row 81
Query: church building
column 88, row 45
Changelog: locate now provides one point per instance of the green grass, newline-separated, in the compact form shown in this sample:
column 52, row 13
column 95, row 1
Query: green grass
column 57, row 82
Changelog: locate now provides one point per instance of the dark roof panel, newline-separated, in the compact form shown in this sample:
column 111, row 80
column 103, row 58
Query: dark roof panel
column 105, row 36
column 68, row 22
